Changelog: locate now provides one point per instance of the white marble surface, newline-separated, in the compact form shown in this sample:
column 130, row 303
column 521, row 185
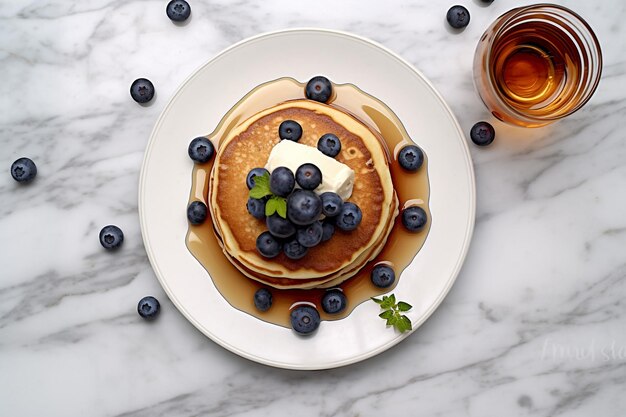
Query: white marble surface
column 535, row 325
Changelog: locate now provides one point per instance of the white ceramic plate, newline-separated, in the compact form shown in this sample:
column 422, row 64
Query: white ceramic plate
column 195, row 110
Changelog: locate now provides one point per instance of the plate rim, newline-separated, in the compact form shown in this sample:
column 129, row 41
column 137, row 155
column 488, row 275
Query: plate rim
column 460, row 259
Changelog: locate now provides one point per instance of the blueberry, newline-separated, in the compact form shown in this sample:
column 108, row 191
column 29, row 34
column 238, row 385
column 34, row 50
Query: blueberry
column 383, row 276
column 334, row 301
column 349, row 217
column 197, row 212
column 23, row 170
column 291, row 130
column 268, row 245
column 305, row 319
column 111, row 237
column 201, row 150
column 308, row 176
column 319, row 89
column 331, row 204
column 148, row 307
column 328, row 230
column 329, row 144
column 262, row 299
column 310, row 235
column 256, row 207
column 142, row 90
column 178, row 10
column 254, row 172
column 303, row 207
column 294, row 250
column 482, row 134
column 458, row 17
column 279, row 227
column 411, row 157
column 414, row 218
column 282, row 181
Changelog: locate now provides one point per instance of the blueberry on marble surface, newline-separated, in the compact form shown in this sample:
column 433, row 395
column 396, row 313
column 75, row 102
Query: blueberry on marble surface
column 305, row 319
column 23, row 170
column 482, row 134
column 329, row 145
column 304, row 207
column 178, row 10
column 197, row 212
column 414, row 218
column 142, row 90
column 282, row 181
column 290, row 130
column 254, row 172
column 383, row 276
column 319, row 89
column 111, row 237
column 458, row 16
column 148, row 307
column 349, row 217
column 411, row 157
column 294, row 250
column 267, row 245
column 262, row 299
column 334, row 301
column 201, row 150
column 308, row 176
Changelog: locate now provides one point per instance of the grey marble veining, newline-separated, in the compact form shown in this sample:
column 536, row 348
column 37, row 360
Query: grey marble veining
column 534, row 326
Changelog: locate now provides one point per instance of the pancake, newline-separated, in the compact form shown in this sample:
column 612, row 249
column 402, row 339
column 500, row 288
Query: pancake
column 248, row 146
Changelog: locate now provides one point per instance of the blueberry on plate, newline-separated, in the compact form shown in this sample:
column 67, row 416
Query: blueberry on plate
column 23, row 170
column 282, row 181
column 201, row 150
column 268, row 245
column 291, row 130
column 279, row 227
column 142, row 90
column 482, row 134
column 197, row 212
column 414, row 218
column 411, row 157
column 294, row 250
column 328, row 230
column 148, row 307
column 256, row 207
column 319, row 89
column 305, row 319
column 331, row 203
column 308, row 176
column 329, row 145
column 262, row 299
column 334, row 301
column 383, row 276
column 349, row 217
column 254, row 172
column 310, row 235
column 178, row 10
column 458, row 16
column 303, row 207
column 111, row 237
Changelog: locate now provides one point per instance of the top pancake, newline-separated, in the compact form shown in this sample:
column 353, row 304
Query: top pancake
column 248, row 146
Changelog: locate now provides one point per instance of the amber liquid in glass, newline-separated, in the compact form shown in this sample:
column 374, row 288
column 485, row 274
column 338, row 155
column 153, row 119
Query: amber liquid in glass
column 412, row 188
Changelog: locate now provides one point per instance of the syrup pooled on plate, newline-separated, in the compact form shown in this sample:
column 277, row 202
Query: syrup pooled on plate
column 412, row 188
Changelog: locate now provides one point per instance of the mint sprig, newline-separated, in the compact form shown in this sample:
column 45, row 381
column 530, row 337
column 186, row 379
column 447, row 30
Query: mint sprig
column 261, row 189
column 393, row 312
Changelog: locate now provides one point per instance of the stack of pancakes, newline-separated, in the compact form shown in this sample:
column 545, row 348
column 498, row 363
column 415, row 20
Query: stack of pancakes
column 248, row 145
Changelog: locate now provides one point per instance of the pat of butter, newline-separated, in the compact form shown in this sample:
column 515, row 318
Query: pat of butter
column 336, row 176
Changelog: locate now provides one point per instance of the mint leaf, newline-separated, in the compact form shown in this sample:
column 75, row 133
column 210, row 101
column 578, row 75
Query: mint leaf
column 377, row 300
column 281, row 206
column 391, row 321
column 387, row 314
column 402, row 306
column 261, row 186
column 403, row 324
column 387, row 303
column 392, row 297
column 270, row 207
